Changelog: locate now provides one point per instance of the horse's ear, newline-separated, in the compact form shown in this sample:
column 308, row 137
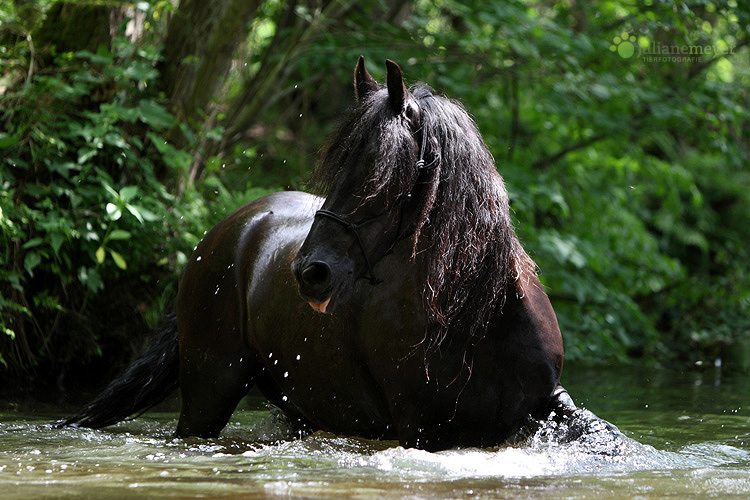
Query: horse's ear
column 364, row 84
column 397, row 93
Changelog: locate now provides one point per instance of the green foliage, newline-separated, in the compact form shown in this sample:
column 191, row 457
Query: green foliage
column 628, row 173
column 80, row 196
column 619, row 168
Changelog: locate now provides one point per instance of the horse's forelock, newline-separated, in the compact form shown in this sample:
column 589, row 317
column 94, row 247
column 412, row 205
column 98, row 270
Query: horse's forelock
column 370, row 137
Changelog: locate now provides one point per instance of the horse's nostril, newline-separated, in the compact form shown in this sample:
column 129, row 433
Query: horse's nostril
column 316, row 274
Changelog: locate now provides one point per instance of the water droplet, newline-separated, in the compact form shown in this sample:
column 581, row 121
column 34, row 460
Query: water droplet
column 270, row 355
column 298, row 357
column 198, row 259
column 286, row 374
column 284, row 398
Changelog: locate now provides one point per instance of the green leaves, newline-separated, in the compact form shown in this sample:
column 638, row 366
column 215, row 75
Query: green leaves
column 122, row 202
column 80, row 198
column 101, row 254
column 115, row 210
column 155, row 115
column 628, row 177
column 607, row 158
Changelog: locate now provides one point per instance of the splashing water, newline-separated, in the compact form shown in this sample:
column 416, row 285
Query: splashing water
column 683, row 450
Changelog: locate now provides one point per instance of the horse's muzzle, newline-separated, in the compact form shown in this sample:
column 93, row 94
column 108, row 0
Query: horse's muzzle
column 315, row 275
column 314, row 280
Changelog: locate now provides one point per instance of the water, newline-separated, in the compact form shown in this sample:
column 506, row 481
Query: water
column 688, row 436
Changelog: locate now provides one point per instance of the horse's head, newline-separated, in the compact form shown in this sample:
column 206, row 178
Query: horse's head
column 370, row 173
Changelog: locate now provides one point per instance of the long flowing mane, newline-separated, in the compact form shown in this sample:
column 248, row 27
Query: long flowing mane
column 463, row 230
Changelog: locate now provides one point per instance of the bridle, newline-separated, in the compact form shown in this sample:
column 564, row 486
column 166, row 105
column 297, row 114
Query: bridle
column 354, row 227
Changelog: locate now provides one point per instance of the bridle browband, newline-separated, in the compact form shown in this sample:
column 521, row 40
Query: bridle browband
column 421, row 167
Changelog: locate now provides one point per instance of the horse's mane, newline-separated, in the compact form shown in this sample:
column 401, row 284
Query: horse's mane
column 473, row 257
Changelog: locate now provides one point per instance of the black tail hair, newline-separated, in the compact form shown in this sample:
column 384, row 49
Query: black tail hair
column 147, row 381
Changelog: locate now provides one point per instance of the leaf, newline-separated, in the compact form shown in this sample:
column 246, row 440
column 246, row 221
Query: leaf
column 148, row 215
column 119, row 261
column 100, row 255
column 56, row 240
column 140, row 71
column 155, row 114
column 128, row 193
column 103, row 56
column 33, row 242
column 110, row 190
column 173, row 157
column 90, row 277
column 85, row 154
column 135, row 211
column 119, row 234
column 32, row 260
column 116, row 140
column 7, row 141
column 113, row 211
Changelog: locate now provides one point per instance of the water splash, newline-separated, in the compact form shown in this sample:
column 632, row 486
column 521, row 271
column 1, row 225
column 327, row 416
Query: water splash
column 142, row 456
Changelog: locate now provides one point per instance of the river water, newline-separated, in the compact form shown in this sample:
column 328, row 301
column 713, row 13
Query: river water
column 686, row 435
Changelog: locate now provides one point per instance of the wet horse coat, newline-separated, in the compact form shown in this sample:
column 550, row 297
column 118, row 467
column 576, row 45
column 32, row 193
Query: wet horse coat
column 399, row 305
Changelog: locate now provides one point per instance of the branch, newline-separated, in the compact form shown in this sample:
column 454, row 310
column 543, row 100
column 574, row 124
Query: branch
column 713, row 61
column 32, row 58
column 547, row 160
column 265, row 87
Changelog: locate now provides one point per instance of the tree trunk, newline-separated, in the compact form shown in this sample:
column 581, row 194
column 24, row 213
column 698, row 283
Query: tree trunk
column 201, row 42
column 71, row 27
column 263, row 90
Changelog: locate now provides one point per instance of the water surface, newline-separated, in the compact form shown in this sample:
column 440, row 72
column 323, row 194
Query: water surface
column 686, row 435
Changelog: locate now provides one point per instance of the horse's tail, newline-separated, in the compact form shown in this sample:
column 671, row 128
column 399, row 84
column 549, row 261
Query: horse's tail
column 147, row 381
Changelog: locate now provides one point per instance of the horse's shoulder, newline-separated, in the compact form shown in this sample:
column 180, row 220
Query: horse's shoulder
column 281, row 203
column 288, row 200
column 286, row 208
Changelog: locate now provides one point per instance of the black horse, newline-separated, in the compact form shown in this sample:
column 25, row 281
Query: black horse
column 400, row 305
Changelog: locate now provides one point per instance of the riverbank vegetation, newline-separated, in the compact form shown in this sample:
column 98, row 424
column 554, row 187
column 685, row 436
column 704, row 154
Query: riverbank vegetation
column 127, row 129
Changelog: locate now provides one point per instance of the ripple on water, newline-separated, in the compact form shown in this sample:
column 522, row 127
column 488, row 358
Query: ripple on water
column 142, row 456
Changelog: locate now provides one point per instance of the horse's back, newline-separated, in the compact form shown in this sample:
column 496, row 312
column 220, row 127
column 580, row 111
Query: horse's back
column 244, row 251
column 240, row 247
